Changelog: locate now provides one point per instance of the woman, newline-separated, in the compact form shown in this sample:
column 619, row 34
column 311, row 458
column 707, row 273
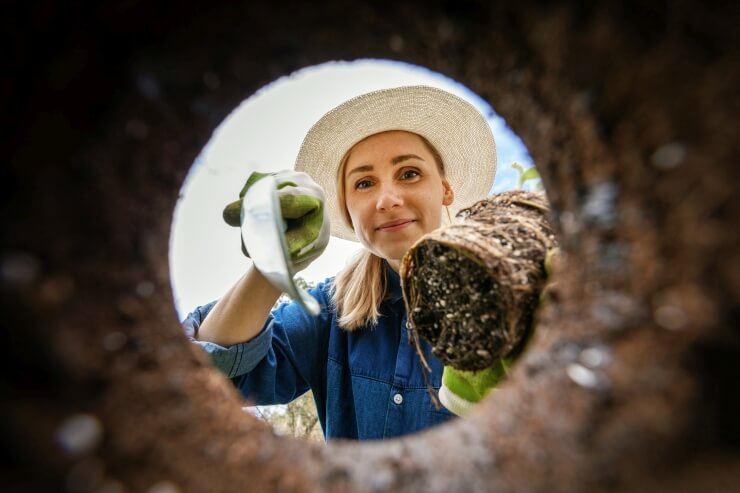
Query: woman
column 393, row 165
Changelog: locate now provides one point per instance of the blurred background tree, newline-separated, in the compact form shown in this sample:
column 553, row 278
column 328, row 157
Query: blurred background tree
column 297, row 418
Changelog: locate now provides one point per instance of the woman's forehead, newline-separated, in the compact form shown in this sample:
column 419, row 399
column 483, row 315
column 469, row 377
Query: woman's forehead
column 404, row 144
column 397, row 142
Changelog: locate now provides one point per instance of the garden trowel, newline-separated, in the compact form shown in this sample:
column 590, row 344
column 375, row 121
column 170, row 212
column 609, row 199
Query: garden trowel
column 263, row 234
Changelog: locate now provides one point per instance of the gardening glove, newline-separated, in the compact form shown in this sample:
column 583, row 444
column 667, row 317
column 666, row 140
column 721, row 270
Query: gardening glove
column 462, row 389
column 304, row 213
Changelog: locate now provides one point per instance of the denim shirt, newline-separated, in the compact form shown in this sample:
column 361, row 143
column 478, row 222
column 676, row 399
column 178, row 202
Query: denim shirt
column 367, row 383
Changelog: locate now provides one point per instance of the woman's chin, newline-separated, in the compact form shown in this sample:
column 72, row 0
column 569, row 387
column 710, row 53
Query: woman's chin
column 396, row 253
column 393, row 247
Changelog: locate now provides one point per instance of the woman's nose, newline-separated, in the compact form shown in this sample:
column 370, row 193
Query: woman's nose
column 389, row 198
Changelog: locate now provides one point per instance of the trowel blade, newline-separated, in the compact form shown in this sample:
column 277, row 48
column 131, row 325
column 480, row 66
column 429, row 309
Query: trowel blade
column 262, row 229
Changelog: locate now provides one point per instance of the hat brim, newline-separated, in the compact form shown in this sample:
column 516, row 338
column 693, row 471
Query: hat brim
column 453, row 126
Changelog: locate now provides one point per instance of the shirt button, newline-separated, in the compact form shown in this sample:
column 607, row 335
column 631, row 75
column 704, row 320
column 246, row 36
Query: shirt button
column 398, row 399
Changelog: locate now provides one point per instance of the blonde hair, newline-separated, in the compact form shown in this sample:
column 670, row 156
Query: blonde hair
column 362, row 285
column 358, row 291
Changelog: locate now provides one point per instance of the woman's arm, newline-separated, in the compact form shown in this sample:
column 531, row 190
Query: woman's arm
column 241, row 313
column 283, row 360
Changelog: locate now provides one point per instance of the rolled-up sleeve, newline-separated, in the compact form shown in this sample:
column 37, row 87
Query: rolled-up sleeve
column 284, row 360
column 241, row 358
column 234, row 360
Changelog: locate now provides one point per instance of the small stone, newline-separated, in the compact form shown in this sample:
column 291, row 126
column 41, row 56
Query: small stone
column 396, row 43
column 585, row 377
column 145, row 289
column 595, row 357
column 670, row 317
column 669, row 155
column 79, row 433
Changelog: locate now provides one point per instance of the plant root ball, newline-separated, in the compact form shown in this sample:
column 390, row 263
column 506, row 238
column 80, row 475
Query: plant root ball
column 471, row 289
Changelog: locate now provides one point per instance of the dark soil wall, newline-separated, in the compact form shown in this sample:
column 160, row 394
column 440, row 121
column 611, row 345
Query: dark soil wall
column 630, row 112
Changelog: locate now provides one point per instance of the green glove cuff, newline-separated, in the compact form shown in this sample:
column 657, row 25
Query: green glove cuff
column 461, row 389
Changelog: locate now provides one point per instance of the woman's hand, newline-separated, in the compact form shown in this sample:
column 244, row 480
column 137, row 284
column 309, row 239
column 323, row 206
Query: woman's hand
column 304, row 213
column 462, row 389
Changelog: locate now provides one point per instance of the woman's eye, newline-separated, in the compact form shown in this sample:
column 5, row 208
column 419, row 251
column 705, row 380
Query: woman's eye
column 410, row 173
column 362, row 184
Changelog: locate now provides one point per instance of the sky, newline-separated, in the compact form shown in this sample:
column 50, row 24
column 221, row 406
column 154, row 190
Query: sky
column 264, row 133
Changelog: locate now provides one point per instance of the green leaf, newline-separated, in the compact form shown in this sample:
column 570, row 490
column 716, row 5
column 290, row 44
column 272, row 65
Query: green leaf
column 530, row 174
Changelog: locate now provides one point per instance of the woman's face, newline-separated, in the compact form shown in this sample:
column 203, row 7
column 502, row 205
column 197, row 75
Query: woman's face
column 394, row 192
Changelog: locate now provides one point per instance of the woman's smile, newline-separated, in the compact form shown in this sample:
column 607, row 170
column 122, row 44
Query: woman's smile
column 393, row 226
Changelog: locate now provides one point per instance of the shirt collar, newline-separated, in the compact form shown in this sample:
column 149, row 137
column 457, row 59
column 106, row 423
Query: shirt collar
column 394, row 284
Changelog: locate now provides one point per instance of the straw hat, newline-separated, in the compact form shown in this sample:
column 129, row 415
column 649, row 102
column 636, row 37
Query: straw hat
column 452, row 125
